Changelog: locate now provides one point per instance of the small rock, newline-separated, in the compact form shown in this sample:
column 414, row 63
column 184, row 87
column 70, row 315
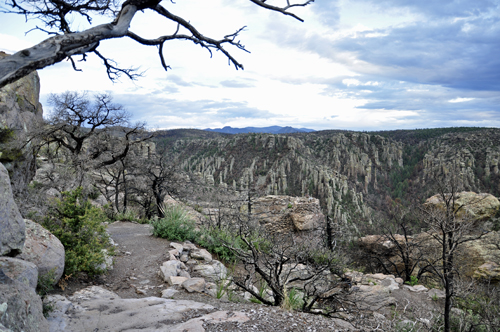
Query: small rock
column 177, row 246
column 140, row 291
column 184, row 258
column 168, row 293
column 188, row 246
column 170, row 268
column 175, row 280
column 194, row 285
column 191, row 262
column 202, row 254
column 436, row 293
column 185, row 274
column 416, row 288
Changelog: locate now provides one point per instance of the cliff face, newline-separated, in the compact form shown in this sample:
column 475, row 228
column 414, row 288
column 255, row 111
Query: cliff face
column 339, row 168
column 20, row 110
column 354, row 175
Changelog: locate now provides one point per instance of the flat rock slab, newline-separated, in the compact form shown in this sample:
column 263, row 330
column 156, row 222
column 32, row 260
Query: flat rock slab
column 97, row 309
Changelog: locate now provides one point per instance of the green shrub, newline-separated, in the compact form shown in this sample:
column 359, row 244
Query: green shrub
column 293, row 300
column 80, row 228
column 175, row 226
column 413, row 281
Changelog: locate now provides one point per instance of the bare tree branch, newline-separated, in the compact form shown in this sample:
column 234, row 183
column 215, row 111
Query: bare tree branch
column 58, row 15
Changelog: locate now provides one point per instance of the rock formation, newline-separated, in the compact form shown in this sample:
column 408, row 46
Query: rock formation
column 20, row 110
column 12, row 227
column 20, row 306
column 474, row 206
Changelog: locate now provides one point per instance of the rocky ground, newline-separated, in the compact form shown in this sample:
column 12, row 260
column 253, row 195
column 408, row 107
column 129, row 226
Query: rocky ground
column 128, row 298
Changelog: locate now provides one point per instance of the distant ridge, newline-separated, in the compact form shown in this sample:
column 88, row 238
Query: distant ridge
column 267, row 130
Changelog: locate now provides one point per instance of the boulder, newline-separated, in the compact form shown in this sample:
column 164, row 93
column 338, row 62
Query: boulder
column 379, row 244
column 12, row 227
column 44, row 250
column 20, row 110
column 372, row 297
column 19, row 270
column 286, row 213
column 20, row 308
column 476, row 206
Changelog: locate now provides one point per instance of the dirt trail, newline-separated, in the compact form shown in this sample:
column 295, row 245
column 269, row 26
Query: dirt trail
column 138, row 256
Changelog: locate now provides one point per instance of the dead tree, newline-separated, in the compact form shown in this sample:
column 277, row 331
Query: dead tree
column 450, row 225
column 83, row 136
column 67, row 43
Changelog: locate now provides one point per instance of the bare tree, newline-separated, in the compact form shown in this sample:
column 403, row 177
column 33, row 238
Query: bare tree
column 157, row 178
column 57, row 17
column 406, row 253
column 82, row 136
column 450, row 225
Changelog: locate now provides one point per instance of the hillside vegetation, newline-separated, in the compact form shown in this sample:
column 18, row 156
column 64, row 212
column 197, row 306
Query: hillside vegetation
column 357, row 176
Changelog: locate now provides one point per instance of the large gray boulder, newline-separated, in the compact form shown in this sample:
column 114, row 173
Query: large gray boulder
column 20, row 110
column 20, row 308
column 44, row 250
column 12, row 227
column 19, row 270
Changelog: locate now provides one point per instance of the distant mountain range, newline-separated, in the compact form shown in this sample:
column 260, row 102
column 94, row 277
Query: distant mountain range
column 267, row 130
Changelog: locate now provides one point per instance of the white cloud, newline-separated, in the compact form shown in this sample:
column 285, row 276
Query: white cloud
column 460, row 100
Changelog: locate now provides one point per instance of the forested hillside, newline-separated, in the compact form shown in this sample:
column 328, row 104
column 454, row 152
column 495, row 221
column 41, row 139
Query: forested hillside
column 356, row 175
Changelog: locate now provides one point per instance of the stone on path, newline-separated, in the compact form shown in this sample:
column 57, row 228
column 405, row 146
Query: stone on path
column 194, row 285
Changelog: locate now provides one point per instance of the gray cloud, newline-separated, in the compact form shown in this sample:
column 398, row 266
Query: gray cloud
column 148, row 107
column 441, row 8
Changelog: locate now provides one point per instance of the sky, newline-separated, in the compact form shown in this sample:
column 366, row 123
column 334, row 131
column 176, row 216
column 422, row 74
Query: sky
column 352, row 64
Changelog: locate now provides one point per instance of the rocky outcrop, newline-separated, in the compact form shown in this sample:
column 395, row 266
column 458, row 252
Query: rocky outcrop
column 489, row 272
column 12, row 227
column 284, row 214
column 20, row 110
column 20, row 308
column 44, row 250
column 475, row 206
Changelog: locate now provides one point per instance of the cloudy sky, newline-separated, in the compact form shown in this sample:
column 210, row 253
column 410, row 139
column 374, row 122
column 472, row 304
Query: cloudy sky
column 358, row 65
